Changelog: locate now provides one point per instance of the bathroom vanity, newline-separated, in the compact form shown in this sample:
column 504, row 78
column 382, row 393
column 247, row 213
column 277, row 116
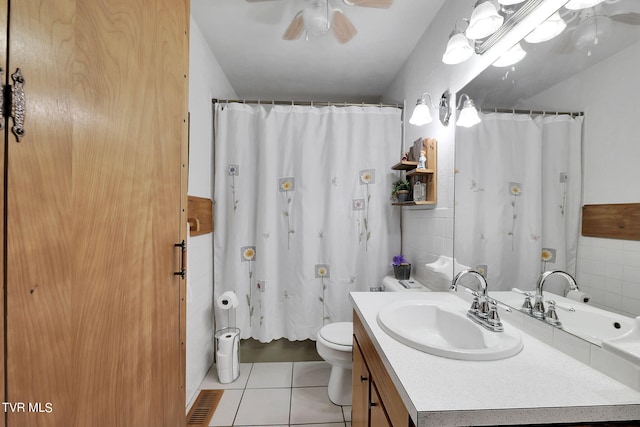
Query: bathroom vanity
column 397, row 385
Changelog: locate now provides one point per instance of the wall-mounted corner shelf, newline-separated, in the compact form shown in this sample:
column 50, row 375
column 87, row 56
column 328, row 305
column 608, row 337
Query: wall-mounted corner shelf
column 427, row 175
column 405, row 165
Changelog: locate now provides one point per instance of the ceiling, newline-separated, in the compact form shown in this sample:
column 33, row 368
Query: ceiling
column 246, row 39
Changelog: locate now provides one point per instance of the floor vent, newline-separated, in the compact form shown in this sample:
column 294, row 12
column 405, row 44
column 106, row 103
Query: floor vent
column 203, row 408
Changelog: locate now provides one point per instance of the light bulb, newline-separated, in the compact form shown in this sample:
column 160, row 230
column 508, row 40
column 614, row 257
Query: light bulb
column 421, row 114
column 469, row 115
column 547, row 30
column 484, row 21
column 459, row 48
column 510, row 57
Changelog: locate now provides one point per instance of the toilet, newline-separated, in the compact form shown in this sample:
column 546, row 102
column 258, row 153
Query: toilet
column 334, row 344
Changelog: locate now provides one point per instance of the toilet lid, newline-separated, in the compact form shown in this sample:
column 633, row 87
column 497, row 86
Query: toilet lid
column 340, row 333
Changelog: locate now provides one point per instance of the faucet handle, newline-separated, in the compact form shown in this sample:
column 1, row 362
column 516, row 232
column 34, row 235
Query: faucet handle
column 551, row 316
column 527, row 307
column 493, row 318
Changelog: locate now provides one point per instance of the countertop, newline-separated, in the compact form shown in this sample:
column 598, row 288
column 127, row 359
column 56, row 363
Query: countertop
column 538, row 385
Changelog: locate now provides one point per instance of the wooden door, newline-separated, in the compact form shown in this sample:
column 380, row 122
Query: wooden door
column 3, row 79
column 94, row 207
column 360, row 387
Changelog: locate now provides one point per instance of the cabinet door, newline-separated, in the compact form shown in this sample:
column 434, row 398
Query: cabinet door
column 378, row 415
column 93, row 211
column 360, row 386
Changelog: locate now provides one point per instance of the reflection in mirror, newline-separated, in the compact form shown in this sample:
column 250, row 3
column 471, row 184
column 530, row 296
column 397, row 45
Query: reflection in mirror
column 523, row 173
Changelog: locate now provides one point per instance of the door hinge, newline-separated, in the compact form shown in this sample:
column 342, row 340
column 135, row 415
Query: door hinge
column 13, row 103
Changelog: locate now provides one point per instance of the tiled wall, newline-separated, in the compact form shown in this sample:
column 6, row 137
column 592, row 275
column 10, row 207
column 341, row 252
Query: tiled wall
column 609, row 270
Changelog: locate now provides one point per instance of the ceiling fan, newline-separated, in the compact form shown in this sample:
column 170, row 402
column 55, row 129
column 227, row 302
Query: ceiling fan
column 588, row 26
column 318, row 17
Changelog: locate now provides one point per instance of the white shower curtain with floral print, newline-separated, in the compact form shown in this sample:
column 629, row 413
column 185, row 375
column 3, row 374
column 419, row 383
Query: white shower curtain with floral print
column 518, row 194
column 302, row 212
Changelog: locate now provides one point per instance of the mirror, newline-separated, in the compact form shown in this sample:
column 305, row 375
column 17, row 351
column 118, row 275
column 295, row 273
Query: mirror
column 507, row 195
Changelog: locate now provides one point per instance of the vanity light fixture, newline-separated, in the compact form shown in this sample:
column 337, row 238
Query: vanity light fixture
column 547, row 30
column 468, row 115
column 511, row 57
column 443, row 108
column 317, row 18
column 581, row 4
column 484, row 21
column 422, row 113
column 459, row 47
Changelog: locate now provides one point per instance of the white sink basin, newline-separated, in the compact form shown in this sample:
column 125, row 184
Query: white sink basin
column 445, row 330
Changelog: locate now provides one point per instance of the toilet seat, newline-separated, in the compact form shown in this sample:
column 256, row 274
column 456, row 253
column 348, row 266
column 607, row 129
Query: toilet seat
column 338, row 336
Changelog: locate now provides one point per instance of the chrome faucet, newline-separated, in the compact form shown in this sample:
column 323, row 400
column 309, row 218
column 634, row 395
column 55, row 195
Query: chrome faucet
column 484, row 310
column 538, row 305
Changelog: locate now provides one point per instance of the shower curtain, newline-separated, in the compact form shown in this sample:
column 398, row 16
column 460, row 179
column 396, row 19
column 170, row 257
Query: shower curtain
column 518, row 196
column 302, row 212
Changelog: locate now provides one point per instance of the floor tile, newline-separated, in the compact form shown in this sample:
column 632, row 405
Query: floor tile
column 312, row 405
column 210, row 382
column 227, row 408
column 264, row 407
column 270, row 375
column 311, row 374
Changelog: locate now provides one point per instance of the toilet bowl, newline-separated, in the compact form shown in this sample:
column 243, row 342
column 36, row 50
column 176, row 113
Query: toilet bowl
column 335, row 344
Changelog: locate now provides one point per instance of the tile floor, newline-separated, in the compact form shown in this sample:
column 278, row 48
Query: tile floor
column 277, row 394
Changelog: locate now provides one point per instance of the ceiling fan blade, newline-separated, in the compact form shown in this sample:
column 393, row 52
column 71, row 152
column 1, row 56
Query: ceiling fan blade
column 631, row 18
column 382, row 4
column 342, row 27
column 295, row 29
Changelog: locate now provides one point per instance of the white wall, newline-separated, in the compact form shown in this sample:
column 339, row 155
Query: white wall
column 206, row 81
column 428, row 233
column 607, row 93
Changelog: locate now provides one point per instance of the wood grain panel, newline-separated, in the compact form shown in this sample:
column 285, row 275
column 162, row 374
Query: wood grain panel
column 200, row 215
column 612, row 221
column 388, row 394
column 130, row 74
column 96, row 202
column 3, row 65
column 40, row 215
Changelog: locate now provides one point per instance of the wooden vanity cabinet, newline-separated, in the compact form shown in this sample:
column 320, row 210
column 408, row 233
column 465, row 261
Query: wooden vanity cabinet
column 375, row 401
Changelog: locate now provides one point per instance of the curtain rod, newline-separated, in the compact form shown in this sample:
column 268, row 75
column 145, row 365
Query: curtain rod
column 306, row 103
column 532, row 112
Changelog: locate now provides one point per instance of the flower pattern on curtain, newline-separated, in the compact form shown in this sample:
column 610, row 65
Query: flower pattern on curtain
column 302, row 193
column 518, row 193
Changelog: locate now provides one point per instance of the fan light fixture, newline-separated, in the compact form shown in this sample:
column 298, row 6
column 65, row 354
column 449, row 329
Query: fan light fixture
column 317, row 19
column 459, row 47
column 511, row 57
column 484, row 21
column 547, row 30
column 582, row 4
column 422, row 113
column 468, row 115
